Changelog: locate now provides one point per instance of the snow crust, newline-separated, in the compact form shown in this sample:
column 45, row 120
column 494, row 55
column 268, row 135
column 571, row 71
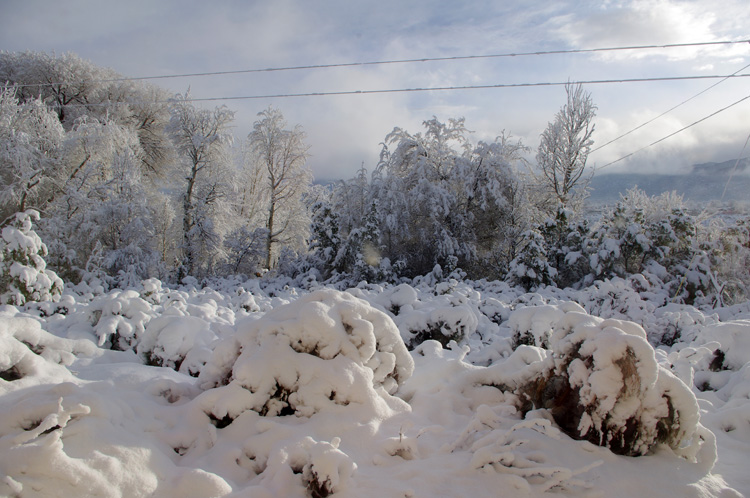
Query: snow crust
column 259, row 389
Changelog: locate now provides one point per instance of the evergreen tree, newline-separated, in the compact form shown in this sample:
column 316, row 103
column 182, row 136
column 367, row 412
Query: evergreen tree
column 531, row 268
column 23, row 273
column 325, row 240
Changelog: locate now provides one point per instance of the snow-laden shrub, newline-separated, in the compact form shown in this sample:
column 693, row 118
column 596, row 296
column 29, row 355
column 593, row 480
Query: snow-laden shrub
column 448, row 313
column 178, row 342
column 28, row 350
column 321, row 467
column 603, row 384
column 615, row 298
column 734, row 340
column 152, row 290
column 23, row 272
column 442, row 324
column 119, row 319
column 325, row 350
column 675, row 323
column 531, row 268
column 532, row 326
column 398, row 298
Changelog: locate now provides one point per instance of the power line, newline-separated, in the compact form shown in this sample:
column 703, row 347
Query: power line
column 668, row 110
column 406, row 61
column 428, row 89
column 674, row 133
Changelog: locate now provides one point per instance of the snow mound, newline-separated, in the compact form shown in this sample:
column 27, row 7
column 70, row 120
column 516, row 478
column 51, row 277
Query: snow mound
column 28, row 351
column 326, row 350
column 320, row 467
column 734, row 338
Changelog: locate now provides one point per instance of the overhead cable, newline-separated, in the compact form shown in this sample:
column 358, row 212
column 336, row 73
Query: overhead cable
column 406, row 61
column 668, row 111
column 674, row 133
column 428, row 89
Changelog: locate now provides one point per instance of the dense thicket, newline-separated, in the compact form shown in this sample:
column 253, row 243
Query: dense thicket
column 132, row 183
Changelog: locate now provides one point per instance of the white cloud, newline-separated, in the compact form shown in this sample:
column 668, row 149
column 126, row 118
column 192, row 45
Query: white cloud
column 655, row 22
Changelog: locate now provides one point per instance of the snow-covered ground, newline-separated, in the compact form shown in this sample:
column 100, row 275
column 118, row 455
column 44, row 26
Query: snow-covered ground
column 429, row 389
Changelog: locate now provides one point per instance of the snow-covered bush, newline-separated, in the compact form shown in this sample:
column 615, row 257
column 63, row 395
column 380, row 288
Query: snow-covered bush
column 178, row 342
column 531, row 269
column 656, row 236
column 725, row 246
column 321, row 467
column 442, row 324
column 119, row 319
column 448, row 316
column 565, row 240
column 328, row 349
column 28, row 350
column 615, row 298
column 532, row 326
column 23, row 272
column 603, row 384
column 734, row 343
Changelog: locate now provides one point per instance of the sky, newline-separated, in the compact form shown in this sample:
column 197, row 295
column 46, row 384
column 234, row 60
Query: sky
column 140, row 38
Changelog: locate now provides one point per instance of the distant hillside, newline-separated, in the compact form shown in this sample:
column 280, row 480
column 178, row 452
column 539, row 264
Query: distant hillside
column 606, row 189
column 724, row 168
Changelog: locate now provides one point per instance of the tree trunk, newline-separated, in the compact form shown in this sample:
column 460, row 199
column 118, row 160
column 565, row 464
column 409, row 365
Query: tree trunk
column 187, row 225
column 269, row 238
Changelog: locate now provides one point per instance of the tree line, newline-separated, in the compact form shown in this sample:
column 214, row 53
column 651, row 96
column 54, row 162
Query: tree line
column 133, row 182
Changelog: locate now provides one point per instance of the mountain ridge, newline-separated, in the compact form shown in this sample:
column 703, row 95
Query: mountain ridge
column 606, row 189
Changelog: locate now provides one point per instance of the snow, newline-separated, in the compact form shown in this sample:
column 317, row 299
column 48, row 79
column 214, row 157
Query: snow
column 259, row 389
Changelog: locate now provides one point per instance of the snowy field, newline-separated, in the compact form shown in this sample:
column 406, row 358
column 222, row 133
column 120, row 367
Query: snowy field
column 451, row 388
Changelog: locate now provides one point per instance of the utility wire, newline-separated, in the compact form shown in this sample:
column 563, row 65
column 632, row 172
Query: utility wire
column 404, row 61
column 429, row 89
column 668, row 110
column 674, row 133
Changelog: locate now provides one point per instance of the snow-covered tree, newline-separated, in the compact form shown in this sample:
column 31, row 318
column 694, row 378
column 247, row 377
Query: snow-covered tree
column 246, row 250
column 495, row 197
column 30, row 138
column 66, row 82
column 440, row 198
column 566, row 241
column 325, row 241
column 94, row 155
column 276, row 165
column 126, row 223
column 24, row 275
column 565, row 145
column 201, row 137
column 350, row 199
column 724, row 245
column 531, row 268
column 415, row 190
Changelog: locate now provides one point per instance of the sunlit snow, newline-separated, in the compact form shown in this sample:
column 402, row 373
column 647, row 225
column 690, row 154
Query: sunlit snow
column 260, row 389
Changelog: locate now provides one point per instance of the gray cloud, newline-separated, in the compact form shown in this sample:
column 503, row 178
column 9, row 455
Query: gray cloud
column 142, row 37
